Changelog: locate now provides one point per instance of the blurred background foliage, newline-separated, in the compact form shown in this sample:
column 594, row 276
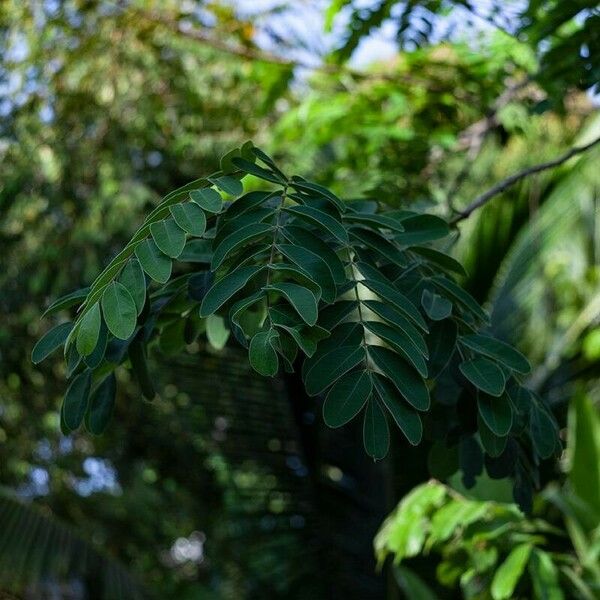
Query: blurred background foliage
column 229, row 486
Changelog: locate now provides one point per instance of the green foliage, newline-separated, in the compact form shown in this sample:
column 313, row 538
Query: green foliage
column 492, row 550
column 331, row 288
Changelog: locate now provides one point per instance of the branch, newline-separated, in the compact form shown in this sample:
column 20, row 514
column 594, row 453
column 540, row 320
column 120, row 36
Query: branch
column 510, row 181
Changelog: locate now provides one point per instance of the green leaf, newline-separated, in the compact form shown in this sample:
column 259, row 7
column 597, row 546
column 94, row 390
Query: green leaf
column 492, row 443
column 263, row 356
column 300, row 298
column 436, row 306
column 381, row 221
column 229, row 185
column 66, row 301
column 305, row 239
column 346, row 398
column 119, row 310
column 169, row 237
column 376, row 433
column 216, row 331
column 101, row 405
column 247, row 203
column 379, row 244
column 315, row 266
column 76, row 400
column 459, row 295
column 226, row 287
column 89, row 330
column 484, row 375
column 399, row 342
column 508, row 574
column 408, row 382
column 318, row 191
column 257, row 171
column 441, row 342
column 329, row 367
column 133, row 278
column 139, row 365
column 496, row 412
column 190, row 217
column 331, row 316
column 392, row 317
column 97, row 355
column 236, row 240
column 544, row 576
column 422, row 228
column 208, row 199
column 321, row 220
column 397, row 300
column 406, row 418
column 543, row 432
column 499, row 351
column 153, row 261
column 439, row 258
column 50, row 341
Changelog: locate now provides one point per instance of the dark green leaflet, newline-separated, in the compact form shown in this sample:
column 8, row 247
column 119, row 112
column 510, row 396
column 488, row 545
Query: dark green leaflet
column 405, row 417
column 439, row 258
column 119, row 310
column 208, row 199
column 226, row 287
column 153, row 261
column 382, row 221
column 405, row 378
column 459, row 295
column 89, row 330
column 376, row 242
column 133, row 278
column 329, row 367
column 319, row 191
column 228, row 184
column 263, row 357
column 496, row 412
column 237, row 239
column 493, row 444
column 300, row 298
column 376, row 433
column 190, row 217
column 499, row 351
column 346, row 398
column 66, row 301
column 422, row 228
column 437, row 307
column 51, row 341
column 253, row 169
column 76, row 400
column 101, row 406
column 485, row 375
column 137, row 355
column 321, row 220
column 168, row 237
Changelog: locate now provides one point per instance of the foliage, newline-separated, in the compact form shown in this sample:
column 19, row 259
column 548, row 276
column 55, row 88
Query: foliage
column 491, row 549
column 296, row 269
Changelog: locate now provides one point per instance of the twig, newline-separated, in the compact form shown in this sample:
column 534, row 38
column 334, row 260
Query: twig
column 510, row 181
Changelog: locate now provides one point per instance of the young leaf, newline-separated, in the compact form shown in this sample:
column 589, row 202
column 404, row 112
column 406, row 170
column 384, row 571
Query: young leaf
column 497, row 350
column 484, row 375
column 50, row 341
column 496, row 413
column 133, row 278
column 89, row 330
column 190, row 217
column 436, row 307
column 508, row 574
column 101, row 406
column 119, row 310
column 321, row 220
column 169, row 237
column 376, row 433
column 263, row 356
column 300, row 298
column 408, row 382
column 226, row 287
column 208, row 199
column 76, row 400
column 216, row 331
column 153, row 261
column 346, row 398
column 406, row 418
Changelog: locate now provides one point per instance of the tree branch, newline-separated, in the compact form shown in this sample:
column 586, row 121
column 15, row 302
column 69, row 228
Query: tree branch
column 510, row 181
